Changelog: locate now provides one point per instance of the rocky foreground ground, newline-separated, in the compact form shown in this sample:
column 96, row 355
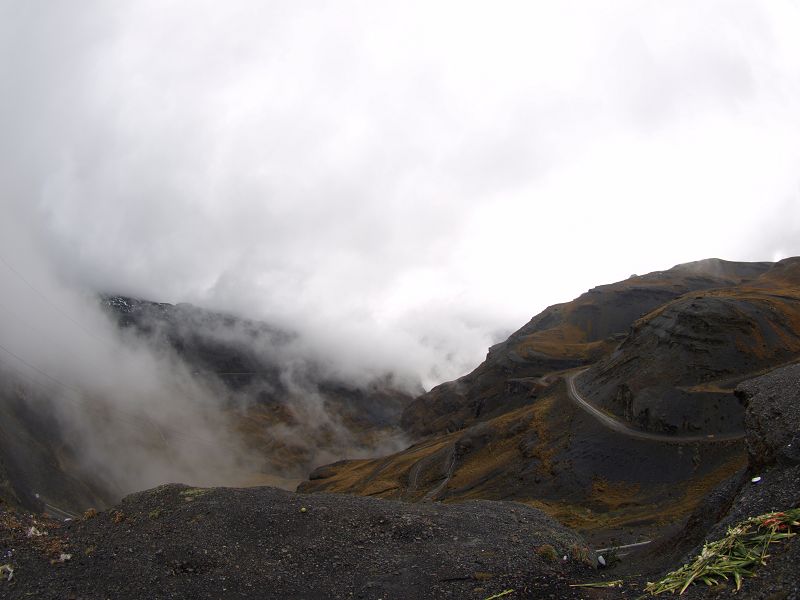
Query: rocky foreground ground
column 182, row 542
column 177, row 541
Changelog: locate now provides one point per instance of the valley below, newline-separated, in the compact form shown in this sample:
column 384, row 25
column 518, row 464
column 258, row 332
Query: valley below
column 602, row 443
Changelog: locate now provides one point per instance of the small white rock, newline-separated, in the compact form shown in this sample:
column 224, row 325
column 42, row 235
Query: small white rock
column 601, row 560
column 756, row 479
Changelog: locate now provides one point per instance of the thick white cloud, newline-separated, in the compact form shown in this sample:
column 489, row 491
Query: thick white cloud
column 404, row 181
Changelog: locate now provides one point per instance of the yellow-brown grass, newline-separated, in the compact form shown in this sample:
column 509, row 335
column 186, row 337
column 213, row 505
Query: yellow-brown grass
column 563, row 341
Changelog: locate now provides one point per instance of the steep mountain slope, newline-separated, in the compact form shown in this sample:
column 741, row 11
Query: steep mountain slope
column 182, row 542
column 293, row 411
column 37, row 462
column 554, row 456
column 770, row 483
column 262, row 360
column 288, row 413
column 538, row 444
column 676, row 370
column 561, row 337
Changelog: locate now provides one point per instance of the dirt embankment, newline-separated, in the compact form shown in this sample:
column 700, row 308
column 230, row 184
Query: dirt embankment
column 182, row 542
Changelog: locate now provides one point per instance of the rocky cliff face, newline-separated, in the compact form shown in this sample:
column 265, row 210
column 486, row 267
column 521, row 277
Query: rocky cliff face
column 769, row 483
column 772, row 418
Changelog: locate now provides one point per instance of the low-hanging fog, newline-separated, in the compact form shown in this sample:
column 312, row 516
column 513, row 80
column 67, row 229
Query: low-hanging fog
column 397, row 186
column 132, row 411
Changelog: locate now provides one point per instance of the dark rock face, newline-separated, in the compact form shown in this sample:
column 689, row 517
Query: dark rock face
column 564, row 336
column 511, row 430
column 771, row 483
column 33, row 452
column 252, row 357
column 519, row 437
column 237, row 351
column 180, row 542
column 772, row 418
column 677, row 368
column 245, row 365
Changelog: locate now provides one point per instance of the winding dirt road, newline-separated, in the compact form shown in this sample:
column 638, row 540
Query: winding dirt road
column 624, row 429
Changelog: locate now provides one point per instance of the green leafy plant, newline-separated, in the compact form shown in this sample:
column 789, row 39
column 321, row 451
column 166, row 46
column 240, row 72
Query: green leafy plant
column 735, row 556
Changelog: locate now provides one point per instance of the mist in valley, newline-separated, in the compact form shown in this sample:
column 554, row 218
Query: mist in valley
column 126, row 411
column 357, row 200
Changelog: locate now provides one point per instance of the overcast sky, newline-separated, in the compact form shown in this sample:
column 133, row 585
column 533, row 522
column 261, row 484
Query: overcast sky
column 405, row 180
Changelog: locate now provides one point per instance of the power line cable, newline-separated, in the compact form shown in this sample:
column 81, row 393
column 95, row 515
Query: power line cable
column 133, row 419
column 48, row 301
column 38, row 370
column 159, row 428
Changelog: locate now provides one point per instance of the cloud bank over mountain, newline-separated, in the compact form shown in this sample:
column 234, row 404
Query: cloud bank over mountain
column 401, row 184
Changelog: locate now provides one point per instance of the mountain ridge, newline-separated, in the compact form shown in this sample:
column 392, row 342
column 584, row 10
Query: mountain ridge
column 515, row 453
column 564, row 336
column 509, row 430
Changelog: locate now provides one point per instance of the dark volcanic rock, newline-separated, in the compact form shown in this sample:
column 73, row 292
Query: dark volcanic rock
column 236, row 351
column 253, row 358
column 772, row 417
column 289, row 407
column 563, row 336
column 772, row 483
column 509, row 430
column 33, row 452
column 180, row 542
column 677, row 368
